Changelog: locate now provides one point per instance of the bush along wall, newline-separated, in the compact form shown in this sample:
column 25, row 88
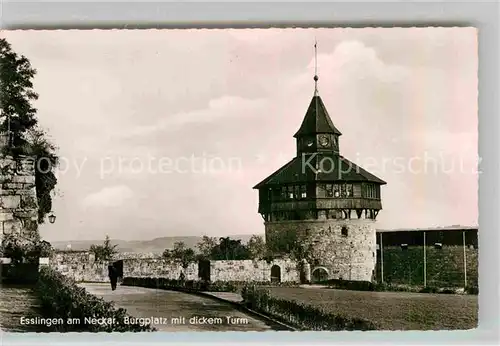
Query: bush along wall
column 19, row 273
column 195, row 285
column 78, row 310
column 380, row 287
column 305, row 317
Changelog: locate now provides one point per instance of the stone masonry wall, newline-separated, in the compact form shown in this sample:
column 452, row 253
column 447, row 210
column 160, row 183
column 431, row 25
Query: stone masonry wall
column 249, row 270
column 80, row 266
column 18, row 202
column 444, row 266
column 347, row 257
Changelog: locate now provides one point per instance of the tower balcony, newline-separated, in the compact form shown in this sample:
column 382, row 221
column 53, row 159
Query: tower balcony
column 321, row 209
column 320, row 203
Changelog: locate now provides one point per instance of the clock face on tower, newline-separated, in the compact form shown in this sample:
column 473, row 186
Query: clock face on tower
column 324, row 140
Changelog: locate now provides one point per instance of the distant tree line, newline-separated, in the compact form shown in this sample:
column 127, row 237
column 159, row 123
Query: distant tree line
column 209, row 248
column 224, row 248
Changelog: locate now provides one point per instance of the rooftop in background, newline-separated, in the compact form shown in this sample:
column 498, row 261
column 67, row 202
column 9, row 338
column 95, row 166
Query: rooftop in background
column 446, row 228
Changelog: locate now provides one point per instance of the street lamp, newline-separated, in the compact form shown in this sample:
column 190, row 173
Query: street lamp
column 52, row 217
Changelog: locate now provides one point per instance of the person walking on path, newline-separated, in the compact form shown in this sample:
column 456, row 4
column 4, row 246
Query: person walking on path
column 113, row 276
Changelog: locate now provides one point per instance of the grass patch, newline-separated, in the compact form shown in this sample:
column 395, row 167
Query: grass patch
column 390, row 310
column 385, row 287
column 301, row 315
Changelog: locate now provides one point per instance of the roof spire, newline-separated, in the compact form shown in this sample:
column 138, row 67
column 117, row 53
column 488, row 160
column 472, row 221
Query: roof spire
column 315, row 68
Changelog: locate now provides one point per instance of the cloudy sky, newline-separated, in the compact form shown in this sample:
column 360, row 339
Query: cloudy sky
column 165, row 132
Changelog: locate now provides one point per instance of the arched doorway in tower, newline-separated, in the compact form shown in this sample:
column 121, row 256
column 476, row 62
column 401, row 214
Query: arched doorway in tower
column 275, row 273
column 319, row 274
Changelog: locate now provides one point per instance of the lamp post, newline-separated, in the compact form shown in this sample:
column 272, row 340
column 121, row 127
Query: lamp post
column 52, row 217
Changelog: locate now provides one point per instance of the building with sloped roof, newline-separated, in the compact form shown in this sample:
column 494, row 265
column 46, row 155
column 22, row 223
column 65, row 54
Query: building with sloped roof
column 320, row 206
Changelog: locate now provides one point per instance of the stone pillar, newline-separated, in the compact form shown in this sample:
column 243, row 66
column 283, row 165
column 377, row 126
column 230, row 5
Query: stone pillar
column 306, row 272
column 18, row 201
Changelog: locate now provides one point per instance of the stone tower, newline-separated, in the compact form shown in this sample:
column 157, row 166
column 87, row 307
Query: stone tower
column 320, row 206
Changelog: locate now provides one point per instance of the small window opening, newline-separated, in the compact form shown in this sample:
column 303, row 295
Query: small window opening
column 344, row 231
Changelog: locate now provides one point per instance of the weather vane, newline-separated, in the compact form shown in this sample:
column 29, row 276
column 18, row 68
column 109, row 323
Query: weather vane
column 315, row 68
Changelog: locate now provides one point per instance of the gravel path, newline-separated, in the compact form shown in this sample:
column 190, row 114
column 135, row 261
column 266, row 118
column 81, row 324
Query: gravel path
column 17, row 302
column 177, row 311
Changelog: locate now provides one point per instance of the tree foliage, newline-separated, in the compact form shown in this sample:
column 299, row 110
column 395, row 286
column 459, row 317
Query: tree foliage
column 21, row 251
column 18, row 115
column 180, row 253
column 206, row 245
column 230, row 249
column 224, row 248
column 104, row 252
column 257, row 247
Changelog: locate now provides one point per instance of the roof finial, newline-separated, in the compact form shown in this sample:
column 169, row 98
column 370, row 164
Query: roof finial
column 315, row 67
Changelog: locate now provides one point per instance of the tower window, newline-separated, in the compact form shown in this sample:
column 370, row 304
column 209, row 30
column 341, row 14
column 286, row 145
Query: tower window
column 303, row 192
column 296, row 191
column 348, row 190
column 329, row 190
column 336, row 191
column 344, row 231
column 356, row 190
column 370, row 191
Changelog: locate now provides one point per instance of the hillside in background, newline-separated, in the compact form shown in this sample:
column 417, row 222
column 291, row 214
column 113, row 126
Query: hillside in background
column 157, row 245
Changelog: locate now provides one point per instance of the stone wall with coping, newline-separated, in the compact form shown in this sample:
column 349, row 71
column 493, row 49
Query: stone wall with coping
column 249, row 270
column 18, row 200
column 81, row 266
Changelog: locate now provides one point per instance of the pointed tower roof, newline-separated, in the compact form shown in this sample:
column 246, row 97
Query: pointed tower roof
column 317, row 120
